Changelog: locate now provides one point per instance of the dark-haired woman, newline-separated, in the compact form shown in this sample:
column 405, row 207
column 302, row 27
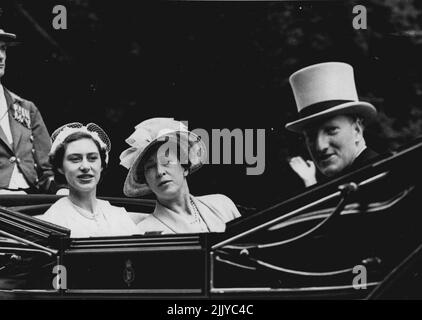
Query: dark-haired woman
column 78, row 156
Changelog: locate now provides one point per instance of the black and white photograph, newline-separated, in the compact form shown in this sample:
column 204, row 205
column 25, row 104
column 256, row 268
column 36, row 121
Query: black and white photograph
column 210, row 155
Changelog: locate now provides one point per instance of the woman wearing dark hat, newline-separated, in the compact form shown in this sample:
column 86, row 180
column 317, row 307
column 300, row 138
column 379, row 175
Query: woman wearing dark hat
column 78, row 155
column 163, row 153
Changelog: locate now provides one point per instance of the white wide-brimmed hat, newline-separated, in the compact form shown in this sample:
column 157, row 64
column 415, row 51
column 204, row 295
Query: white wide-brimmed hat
column 324, row 90
column 152, row 132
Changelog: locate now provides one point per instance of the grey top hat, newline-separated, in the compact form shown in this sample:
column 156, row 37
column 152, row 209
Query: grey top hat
column 324, row 90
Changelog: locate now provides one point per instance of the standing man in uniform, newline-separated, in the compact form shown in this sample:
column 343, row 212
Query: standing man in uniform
column 24, row 139
column 332, row 119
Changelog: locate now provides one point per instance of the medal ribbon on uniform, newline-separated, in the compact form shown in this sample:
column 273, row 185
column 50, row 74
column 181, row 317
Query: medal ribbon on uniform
column 21, row 115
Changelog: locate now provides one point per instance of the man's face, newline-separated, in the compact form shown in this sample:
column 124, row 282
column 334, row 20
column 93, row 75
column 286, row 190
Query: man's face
column 3, row 47
column 334, row 143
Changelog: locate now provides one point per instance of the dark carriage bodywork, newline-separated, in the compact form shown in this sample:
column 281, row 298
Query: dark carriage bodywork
column 357, row 236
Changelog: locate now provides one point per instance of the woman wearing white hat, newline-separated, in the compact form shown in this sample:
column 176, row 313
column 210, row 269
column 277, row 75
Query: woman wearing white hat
column 162, row 154
column 78, row 155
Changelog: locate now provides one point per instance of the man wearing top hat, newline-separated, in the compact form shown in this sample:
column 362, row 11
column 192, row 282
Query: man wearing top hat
column 24, row 139
column 332, row 118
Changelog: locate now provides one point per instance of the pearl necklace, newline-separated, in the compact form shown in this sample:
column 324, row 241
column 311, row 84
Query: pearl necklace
column 197, row 216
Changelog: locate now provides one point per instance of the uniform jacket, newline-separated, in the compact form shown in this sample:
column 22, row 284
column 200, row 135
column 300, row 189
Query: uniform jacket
column 31, row 145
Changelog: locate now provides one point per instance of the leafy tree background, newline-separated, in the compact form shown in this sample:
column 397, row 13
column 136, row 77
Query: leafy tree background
column 217, row 65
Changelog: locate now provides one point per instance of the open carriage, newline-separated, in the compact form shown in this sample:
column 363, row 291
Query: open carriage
column 358, row 236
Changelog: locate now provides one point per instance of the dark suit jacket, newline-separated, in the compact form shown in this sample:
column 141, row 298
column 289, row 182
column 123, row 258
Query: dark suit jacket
column 366, row 156
column 31, row 145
